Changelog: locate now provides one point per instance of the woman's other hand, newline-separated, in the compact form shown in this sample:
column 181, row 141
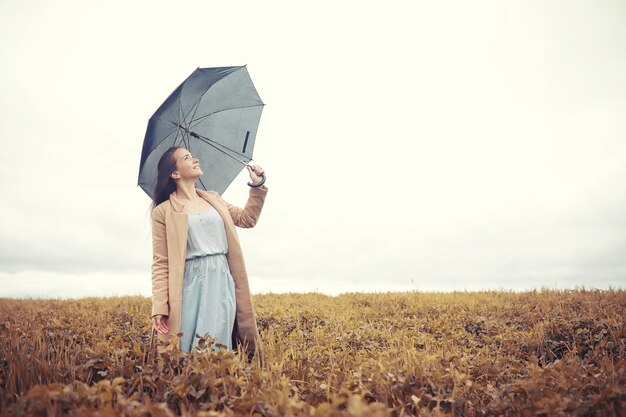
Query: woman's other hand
column 159, row 322
column 255, row 173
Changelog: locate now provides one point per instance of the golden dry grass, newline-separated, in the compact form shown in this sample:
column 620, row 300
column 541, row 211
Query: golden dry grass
column 540, row 353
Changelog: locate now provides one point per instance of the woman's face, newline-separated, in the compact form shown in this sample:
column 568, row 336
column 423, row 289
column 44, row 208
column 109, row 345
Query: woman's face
column 187, row 167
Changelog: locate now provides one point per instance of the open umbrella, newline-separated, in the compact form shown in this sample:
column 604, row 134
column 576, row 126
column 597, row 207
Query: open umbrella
column 215, row 115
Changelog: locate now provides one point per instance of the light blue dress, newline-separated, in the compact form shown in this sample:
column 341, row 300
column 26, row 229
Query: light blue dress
column 208, row 303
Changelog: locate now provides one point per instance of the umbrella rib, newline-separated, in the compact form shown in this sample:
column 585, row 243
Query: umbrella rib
column 200, row 96
column 159, row 144
column 195, row 109
column 200, row 179
column 165, row 138
column 217, row 146
column 177, row 131
column 214, row 143
column 182, row 118
column 219, row 111
column 195, row 122
column 197, row 103
column 184, row 128
column 180, row 110
column 176, row 137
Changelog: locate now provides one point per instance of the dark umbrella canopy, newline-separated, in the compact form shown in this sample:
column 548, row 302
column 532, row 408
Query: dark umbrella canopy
column 214, row 114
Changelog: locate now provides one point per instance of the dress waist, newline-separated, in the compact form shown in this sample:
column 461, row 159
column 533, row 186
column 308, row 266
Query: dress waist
column 205, row 255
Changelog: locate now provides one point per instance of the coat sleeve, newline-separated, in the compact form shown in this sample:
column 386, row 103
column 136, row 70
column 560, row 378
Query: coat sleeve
column 247, row 217
column 160, row 304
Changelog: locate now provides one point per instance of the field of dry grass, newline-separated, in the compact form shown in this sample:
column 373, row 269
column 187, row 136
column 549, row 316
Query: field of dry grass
column 541, row 353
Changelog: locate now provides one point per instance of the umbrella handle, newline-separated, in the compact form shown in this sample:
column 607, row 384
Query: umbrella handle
column 259, row 184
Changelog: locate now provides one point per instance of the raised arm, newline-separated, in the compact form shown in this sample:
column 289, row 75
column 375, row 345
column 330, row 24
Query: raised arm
column 160, row 298
column 247, row 217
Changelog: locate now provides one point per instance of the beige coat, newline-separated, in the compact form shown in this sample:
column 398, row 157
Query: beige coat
column 169, row 244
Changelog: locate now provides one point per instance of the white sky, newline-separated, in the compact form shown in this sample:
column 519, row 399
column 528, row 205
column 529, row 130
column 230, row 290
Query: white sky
column 407, row 145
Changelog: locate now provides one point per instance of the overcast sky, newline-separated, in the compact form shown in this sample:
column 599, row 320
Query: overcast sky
column 407, row 145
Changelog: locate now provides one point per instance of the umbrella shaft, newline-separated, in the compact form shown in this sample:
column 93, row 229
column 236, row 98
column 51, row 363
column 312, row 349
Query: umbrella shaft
column 210, row 142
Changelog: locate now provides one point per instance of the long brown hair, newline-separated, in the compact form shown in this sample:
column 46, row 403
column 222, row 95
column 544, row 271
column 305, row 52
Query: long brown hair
column 165, row 184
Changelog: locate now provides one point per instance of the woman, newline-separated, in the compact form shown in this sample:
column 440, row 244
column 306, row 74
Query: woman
column 199, row 280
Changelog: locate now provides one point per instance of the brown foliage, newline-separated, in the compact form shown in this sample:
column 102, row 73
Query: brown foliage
column 548, row 353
